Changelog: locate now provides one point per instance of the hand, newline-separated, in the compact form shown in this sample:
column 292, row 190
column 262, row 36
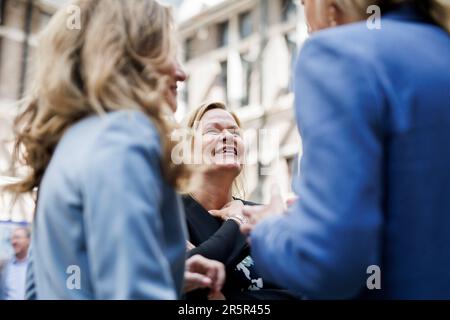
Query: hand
column 204, row 273
column 257, row 213
column 233, row 208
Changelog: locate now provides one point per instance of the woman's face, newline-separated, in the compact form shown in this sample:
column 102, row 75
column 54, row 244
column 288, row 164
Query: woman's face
column 221, row 140
column 176, row 74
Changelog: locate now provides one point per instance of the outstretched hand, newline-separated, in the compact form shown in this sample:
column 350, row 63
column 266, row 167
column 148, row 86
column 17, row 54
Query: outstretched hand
column 256, row 214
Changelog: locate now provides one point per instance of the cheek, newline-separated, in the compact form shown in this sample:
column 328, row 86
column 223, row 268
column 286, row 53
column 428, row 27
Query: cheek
column 209, row 143
column 240, row 146
column 171, row 100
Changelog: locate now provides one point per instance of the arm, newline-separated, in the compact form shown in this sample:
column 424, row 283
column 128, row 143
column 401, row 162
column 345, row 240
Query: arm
column 325, row 243
column 122, row 199
column 221, row 244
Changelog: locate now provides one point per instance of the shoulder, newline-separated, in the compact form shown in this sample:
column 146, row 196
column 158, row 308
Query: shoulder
column 127, row 127
column 114, row 131
column 353, row 41
column 123, row 139
column 356, row 42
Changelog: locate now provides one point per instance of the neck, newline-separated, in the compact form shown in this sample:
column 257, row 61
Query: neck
column 214, row 189
column 21, row 256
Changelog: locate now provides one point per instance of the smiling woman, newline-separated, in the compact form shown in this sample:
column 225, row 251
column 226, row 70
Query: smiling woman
column 213, row 207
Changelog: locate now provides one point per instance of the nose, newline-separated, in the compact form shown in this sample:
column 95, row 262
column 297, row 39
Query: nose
column 180, row 75
column 227, row 136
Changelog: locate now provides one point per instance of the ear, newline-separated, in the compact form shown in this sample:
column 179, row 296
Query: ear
column 334, row 14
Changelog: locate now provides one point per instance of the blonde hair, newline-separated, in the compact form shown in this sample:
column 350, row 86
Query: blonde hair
column 438, row 10
column 192, row 121
column 113, row 62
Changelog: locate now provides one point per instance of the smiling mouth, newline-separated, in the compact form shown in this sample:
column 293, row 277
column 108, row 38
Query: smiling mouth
column 227, row 150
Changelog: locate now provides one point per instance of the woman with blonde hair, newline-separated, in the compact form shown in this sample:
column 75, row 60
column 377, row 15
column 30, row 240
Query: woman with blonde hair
column 213, row 208
column 373, row 109
column 94, row 137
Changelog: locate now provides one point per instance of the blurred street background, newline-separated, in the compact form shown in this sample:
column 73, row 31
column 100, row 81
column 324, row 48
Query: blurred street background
column 241, row 52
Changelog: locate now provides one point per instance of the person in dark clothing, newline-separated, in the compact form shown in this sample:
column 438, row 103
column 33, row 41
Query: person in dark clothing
column 213, row 215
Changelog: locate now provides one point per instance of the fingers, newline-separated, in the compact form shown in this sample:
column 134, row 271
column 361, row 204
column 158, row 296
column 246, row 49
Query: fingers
column 247, row 228
column 230, row 209
column 217, row 274
column 250, row 211
column 212, row 269
column 196, row 264
column 216, row 213
column 276, row 200
column 193, row 281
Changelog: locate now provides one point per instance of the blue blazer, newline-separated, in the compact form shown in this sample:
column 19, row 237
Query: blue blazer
column 107, row 224
column 373, row 108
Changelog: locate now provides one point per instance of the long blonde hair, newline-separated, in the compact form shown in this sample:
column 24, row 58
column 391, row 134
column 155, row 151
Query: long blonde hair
column 113, row 62
column 192, row 121
column 438, row 10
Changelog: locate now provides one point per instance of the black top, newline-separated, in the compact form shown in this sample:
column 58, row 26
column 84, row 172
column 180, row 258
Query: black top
column 223, row 241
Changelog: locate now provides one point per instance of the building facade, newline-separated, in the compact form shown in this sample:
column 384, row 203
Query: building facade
column 20, row 22
column 242, row 52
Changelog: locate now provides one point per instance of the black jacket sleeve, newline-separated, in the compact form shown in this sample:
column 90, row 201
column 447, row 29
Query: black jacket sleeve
column 227, row 245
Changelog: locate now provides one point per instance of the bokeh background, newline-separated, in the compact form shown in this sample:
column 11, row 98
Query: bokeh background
column 241, row 52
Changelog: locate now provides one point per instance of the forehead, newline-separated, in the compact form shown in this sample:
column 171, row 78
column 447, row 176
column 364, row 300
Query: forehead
column 218, row 116
column 19, row 232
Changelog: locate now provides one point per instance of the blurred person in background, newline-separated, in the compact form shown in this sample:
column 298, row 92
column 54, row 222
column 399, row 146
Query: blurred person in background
column 13, row 277
column 373, row 109
column 213, row 208
column 94, row 135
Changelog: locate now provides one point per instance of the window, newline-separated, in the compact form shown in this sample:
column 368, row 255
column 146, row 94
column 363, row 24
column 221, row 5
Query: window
column 288, row 10
column 45, row 19
column 222, row 34
column 2, row 11
column 185, row 93
column 293, row 50
column 188, row 48
column 293, row 170
column 247, row 69
column 245, row 24
column 224, row 79
column 2, row 22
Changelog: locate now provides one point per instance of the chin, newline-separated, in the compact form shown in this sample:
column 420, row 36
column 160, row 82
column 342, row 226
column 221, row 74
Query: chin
column 172, row 102
column 173, row 106
column 235, row 166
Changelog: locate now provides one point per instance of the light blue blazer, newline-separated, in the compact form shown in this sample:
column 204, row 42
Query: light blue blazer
column 107, row 224
column 373, row 108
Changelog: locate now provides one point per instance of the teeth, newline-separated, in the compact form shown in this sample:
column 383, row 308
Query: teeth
column 231, row 151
